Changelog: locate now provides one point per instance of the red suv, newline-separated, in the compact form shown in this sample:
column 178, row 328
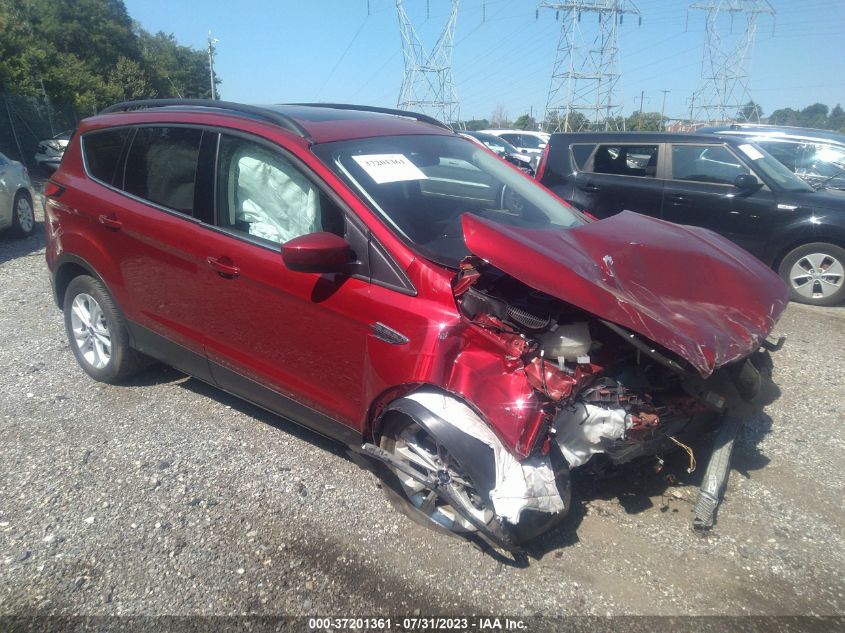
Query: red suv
column 375, row 277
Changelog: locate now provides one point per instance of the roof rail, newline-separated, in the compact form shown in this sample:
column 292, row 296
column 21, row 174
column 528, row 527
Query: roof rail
column 271, row 116
column 424, row 118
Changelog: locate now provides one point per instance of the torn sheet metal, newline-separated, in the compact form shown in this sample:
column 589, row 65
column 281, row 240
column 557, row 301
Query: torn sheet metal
column 685, row 288
column 529, row 484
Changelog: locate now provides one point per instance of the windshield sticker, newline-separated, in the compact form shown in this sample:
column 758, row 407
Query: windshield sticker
column 752, row 152
column 389, row 168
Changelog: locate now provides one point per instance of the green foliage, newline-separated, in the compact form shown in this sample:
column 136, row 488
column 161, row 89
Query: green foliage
column 476, row 124
column 644, row 122
column 815, row 115
column 751, row 111
column 525, row 122
column 89, row 53
column 561, row 122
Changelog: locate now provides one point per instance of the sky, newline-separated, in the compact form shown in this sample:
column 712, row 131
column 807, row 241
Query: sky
column 276, row 51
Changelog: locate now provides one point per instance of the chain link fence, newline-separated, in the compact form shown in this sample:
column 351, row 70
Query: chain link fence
column 24, row 121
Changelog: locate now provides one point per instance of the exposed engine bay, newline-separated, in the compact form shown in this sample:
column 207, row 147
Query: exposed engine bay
column 605, row 390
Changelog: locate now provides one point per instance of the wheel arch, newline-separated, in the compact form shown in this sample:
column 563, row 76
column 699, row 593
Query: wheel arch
column 835, row 237
column 68, row 267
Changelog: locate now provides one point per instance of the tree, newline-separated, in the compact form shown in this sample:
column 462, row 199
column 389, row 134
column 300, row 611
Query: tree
column 476, row 124
column 566, row 122
column 836, row 120
column 128, row 81
column 499, row 118
column 814, row 116
column 644, row 122
column 525, row 122
column 751, row 111
column 785, row 116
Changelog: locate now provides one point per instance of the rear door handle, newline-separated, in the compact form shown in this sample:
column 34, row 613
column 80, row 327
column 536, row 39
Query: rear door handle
column 111, row 222
column 679, row 199
column 591, row 187
column 223, row 266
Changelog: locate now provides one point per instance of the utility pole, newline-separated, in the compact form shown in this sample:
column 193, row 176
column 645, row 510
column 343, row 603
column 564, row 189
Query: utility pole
column 663, row 110
column 211, row 51
column 585, row 78
column 724, row 86
column 428, row 86
column 640, row 117
column 49, row 108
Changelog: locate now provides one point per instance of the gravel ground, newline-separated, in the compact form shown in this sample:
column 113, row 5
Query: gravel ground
column 166, row 496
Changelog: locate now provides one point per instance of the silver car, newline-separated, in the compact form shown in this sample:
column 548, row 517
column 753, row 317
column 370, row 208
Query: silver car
column 16, row 198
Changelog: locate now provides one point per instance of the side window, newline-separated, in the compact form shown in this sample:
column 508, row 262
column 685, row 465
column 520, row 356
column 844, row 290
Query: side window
column 102, row 152
column 626, row 160
column 580, row 153
column 703, row 163
column 162, row 166
column 262, row 194
column 513, row 139
column 531, row 142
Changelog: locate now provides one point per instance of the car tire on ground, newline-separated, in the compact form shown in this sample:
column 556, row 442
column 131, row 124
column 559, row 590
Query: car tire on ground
column 815, row 273
column 23, row 215
column 419, row 504
column 97, row 332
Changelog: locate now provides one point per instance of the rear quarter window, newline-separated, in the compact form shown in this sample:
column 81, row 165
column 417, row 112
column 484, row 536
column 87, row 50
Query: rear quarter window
column 581, row 153
column 162, row 166
column 101, row 150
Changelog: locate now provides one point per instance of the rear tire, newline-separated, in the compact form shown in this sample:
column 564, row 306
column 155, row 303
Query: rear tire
column 23, row 215
column 97, row 332
column 815, row 274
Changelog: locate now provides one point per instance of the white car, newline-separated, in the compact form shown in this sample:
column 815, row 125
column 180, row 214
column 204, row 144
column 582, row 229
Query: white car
column 16, row 206
column 525, row 140
column 50, row 151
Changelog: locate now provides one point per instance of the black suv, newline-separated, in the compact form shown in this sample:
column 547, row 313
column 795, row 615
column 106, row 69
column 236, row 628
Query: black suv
column 728, row 185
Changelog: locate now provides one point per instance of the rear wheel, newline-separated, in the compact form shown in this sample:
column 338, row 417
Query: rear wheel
column 23, row 215
column 815, row 273
column 97, row 332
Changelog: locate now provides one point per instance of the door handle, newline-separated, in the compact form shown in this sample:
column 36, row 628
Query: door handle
column 591, row 187
column 111, row 222
column 679, row 199
column 223, row 266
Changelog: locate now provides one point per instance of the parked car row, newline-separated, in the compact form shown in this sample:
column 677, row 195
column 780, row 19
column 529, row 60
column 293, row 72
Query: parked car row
column 371, row 275
column 16, row 198
column 725, row 183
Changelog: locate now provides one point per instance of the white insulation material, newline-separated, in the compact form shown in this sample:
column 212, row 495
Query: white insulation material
column 273, row 199
column 519, row 485
column 579, row 433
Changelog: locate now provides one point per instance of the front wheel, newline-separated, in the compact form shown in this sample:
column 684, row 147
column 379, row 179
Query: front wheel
column 815, row 273
column 409, row 443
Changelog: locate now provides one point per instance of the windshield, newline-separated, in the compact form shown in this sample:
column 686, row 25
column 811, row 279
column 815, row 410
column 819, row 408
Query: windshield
column 495, row 143
column 772, row 169
column 422, row 185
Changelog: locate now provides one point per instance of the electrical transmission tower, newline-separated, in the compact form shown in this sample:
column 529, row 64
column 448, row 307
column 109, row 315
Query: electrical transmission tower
column 584, row 90
column 428, row 86
column 724, row 90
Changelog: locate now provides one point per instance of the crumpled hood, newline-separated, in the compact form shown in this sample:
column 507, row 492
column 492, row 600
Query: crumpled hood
column 685, row 288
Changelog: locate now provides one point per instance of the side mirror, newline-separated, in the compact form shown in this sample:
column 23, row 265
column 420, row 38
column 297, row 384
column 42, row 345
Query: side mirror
column 746, row 183
column 317, row 253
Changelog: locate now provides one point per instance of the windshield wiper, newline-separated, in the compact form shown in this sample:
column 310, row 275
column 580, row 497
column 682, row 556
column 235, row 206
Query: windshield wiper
column 822, row 184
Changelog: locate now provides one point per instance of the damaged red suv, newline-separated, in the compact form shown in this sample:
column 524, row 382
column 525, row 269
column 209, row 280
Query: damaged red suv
column 375, row 277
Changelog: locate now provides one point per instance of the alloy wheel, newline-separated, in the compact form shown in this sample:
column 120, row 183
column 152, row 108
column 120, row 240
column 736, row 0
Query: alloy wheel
column 91, row 331
column 416, row 448
column 26, row 218
column 817, row 275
